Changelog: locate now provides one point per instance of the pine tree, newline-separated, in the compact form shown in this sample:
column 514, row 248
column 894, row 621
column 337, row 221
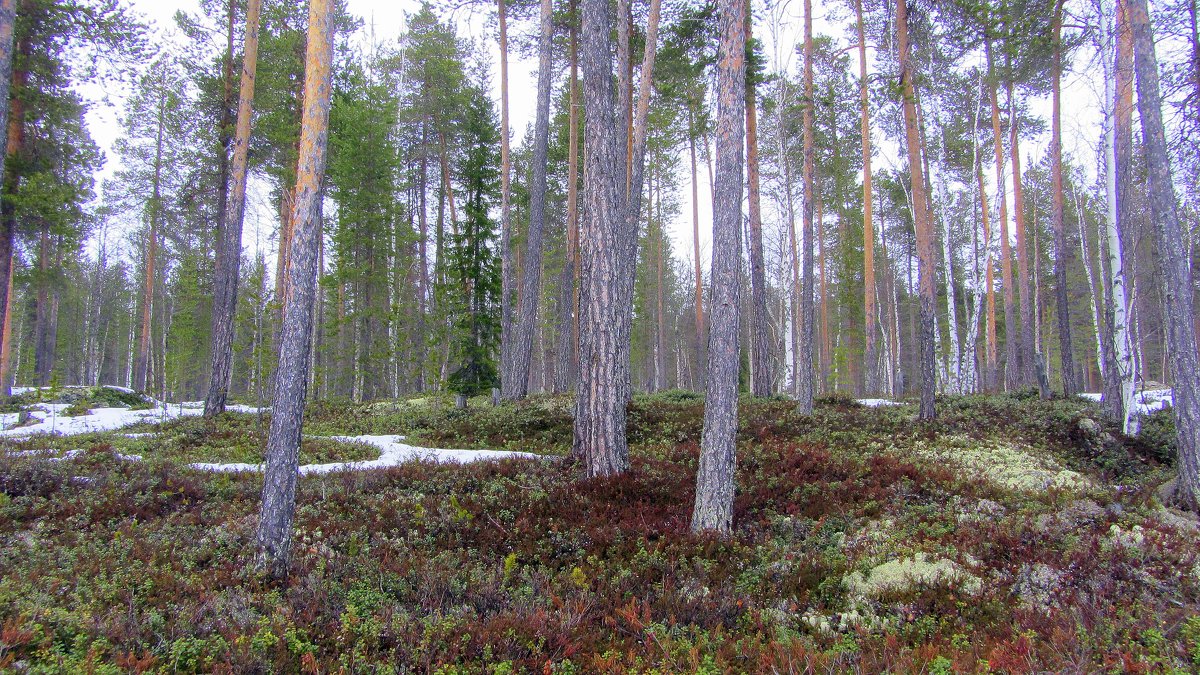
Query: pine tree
column 229, row 246
column 713, row 509
column 287, row 406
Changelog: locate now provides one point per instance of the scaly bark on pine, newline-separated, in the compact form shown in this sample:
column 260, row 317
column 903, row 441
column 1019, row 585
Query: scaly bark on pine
column 922, row 220
column 713, row 510
column 1173, row 260
column 229, row 254
column 287, row 405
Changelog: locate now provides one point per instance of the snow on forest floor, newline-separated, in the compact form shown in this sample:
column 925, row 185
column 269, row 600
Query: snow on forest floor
column 394, row 452
column 876, row 402
column 1149, row 401
column 51, row 420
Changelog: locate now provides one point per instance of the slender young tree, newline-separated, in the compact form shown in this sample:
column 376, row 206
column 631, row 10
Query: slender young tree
column 637, row 123
column 699, row 279
column 564, row 371
column 508, row 263
column 1173, row 259
column 514, row 383
column 1117, row 370
column 713, row 509
column 154, row 215
column 1006, row 272
column 871, row 379
column 922, row 219
column 1027, row 349
column 287, row 406
column 229, row 254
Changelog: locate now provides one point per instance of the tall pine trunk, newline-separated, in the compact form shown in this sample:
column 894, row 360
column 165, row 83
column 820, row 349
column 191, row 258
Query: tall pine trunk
column 1011, row 337
column 229, row 255
column 1066, row 353
column 1173, row 260
column 870, row 327
column 805, row 384
column 713, row 510
column 637, row 127
column 1026, row 351
column 154, row 213
column 760, row 350
column 287, row 406
column 514, row 382
column 699, row 293
column 564, row 371
column 599, row 429
column 8, row 135
column 508, row 264
column 921, row 218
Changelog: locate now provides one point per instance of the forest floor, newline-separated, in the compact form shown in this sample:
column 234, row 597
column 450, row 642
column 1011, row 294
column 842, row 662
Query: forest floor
column 1012, row 535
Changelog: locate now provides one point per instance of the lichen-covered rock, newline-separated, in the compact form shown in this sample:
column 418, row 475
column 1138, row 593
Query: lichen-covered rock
column 1037, row 585
column 905, row 574
column 1005, row 464
column 1077, row 514
column 983, row 510
column 1090, row 427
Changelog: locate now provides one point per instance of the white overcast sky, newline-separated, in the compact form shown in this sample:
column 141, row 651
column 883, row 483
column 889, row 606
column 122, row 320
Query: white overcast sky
column 1080, row 118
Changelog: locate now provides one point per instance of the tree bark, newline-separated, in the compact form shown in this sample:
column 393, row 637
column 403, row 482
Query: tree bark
column 564, row 372
column 760, row 350
column 1026, row 351
column 713, row 510
column 637, row 122
column 1011, row 337
column 696, row 241
column 789, row 205
column 805, row 384
column 921, row 219
column 599, row 429
column 660, row 323
column 1173, row 260
column 11, row 125
column 1117, row 368
column 1061, row 257
column 287, row 411
column 514, row 382
column 508, row 265
column 870, row 328
column 1119, row 388
column 142, row 365
column 229, row 254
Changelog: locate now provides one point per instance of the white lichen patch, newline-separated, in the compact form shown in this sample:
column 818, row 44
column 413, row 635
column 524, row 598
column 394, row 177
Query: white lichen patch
column 905, row 574
column 1006, row 464
column 858, row 616
column 1134, row 537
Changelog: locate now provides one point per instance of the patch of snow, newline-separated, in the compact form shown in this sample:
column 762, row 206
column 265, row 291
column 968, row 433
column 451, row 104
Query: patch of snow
column 876, row 402
column 393, row 453
column 1148, row 401
column 28, row 453
column 52, row 421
